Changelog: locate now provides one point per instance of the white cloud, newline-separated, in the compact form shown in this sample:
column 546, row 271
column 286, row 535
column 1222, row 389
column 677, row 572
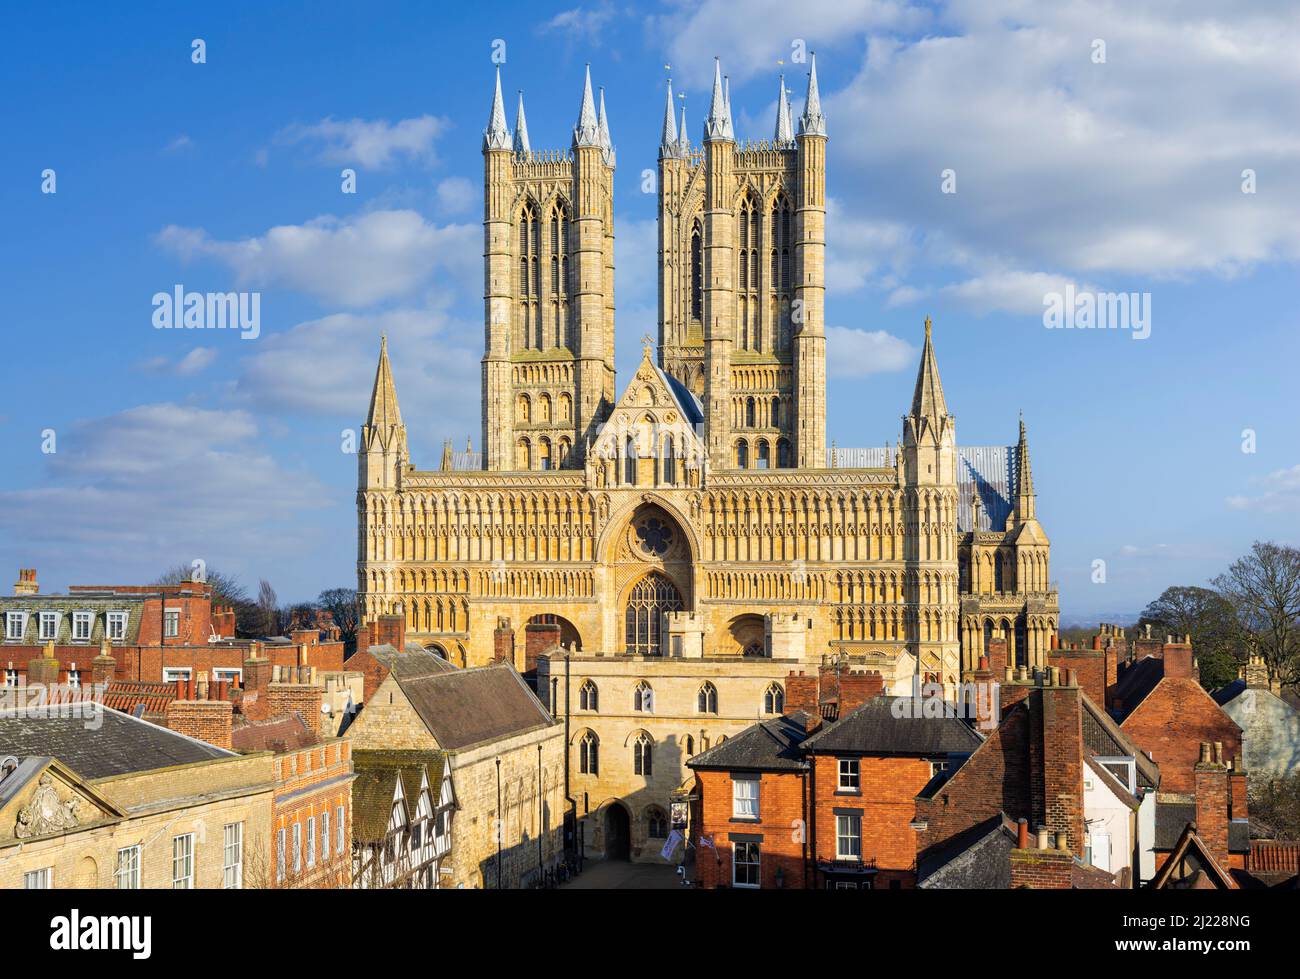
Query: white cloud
column 197, row 360
column 375, row 143
column 354, row 261
column 857, row 353
column 1066, row 169
column 1279, row 492
column 179, row 144
column 584, row 23
column 139, row 491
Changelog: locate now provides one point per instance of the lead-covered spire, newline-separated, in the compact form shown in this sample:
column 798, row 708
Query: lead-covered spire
column 602, row 131
column 684, row 143
column 718, row 123
column 927, row 400
column 1024, row 478
column 587, row 131
column 521, row 129
column 812, row 122
column 496, row 136
column 668, row 138
column 384, row 413
column 784, row 135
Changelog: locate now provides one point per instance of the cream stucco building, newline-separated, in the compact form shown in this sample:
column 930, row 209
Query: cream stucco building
column 699, row 516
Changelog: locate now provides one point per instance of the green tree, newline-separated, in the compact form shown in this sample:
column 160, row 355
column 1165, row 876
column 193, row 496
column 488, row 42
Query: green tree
column 1211, row 621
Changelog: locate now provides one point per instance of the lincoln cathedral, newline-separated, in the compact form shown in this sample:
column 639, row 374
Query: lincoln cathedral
column 699, row 516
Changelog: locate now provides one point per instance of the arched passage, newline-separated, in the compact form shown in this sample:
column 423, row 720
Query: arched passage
column 618, row 832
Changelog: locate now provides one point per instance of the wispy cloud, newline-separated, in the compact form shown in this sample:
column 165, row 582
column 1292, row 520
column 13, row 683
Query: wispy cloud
column 354, row 262
column 375, row 143
column 1279, row 492
column 857, row 353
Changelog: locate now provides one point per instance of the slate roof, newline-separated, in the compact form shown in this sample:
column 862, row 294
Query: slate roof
column 1227, row 694
column 1172, row 818
column 874, row 729
column 121, row 744
column 979, row 859
column 376, row 778
column 1137, row 681
column 463, row 708
column 412, row 661
column 768, row 746
column 686, row 399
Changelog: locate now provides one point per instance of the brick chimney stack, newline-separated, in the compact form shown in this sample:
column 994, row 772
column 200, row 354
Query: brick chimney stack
column 27, row 584
column 1179, row 661
column 1056, row 762
column 363, row 637
column 503, row 641
column 1255, row 673
column 104, row 666
column 44, row 670
column 800, row 693
column 1212, row 802
column 199, row 717
column 390, row 629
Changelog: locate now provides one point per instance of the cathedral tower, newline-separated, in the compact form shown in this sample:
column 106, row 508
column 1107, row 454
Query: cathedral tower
column 928, row 459
column 548, row 228
column 741, row 280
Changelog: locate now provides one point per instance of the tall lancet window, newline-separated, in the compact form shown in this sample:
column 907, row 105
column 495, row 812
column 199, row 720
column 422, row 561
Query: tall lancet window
column 559, row 242
column 747, row 280
column 781, row 257
column 697, row 273
column 530, row 283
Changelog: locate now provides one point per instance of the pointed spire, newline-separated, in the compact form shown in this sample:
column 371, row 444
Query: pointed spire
column 447, row 462
column 726, row 100
column 496, row 136
column 927, row 400
column 784, row 135
column 718, row 123
column 521, row 128
column 602, row 129
column 684, row 144
column 383, row 399
column 587, row 131
column 812, row 122
column 668, row 138
column 1024, row 478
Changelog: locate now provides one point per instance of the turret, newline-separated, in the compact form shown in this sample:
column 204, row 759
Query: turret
column 719, row 290
column 383, row 454
column 810, row 283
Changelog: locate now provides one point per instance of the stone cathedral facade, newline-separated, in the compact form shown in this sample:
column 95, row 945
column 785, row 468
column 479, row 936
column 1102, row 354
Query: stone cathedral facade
column 699, row 514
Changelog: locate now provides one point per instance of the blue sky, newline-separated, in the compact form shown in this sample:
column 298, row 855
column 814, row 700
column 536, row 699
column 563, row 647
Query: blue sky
column 1116, row 175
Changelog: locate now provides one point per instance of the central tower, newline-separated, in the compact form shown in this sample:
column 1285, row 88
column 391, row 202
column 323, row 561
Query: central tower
column 548, row 231
column 742, row 280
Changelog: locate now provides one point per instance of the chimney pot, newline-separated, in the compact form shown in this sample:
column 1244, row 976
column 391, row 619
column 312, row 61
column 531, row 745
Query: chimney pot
column 1022, row 833
column 1062, row 840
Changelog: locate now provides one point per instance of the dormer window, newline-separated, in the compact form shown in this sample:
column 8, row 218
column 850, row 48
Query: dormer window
column 117, row 626
column 81, row 625
column 49, row 626
column 15, row 625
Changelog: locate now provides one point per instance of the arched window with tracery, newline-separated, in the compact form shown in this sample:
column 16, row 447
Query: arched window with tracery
column 589, row 754
column 530, row 283
column 668, row 461
column 742, row 454
column 629, row 461
column 706, row 701
column 643, row 698
column 650, row 598
column 783, row 454
column 697, row 273
column 656, row 822
column 780, row 254
column 588, row 696
column 560, row 275
column 764, row 455
column 643, row 755
column 747, row 280
column 773, row 699
column 750, row 413
column 523, row 455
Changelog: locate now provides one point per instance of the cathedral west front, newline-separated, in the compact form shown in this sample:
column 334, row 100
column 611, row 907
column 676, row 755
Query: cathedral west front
column 698, row 514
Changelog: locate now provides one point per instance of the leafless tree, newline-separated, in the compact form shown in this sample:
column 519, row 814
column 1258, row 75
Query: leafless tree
column 1264, row 588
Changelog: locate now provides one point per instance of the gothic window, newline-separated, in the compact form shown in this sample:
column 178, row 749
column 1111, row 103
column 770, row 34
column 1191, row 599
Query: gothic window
column 997, row 573
column 690, row 745
column 544, row 409
column 749, row 412
column 559, row 242
column 643, row 755
column 566, row 407
column 764, row 459
column 654, row 536
column 589, row 754
column 651, row 597
column 773, row 699
column 747, row 280
column 783, row 454
column 656, row 823
column 523, row 455
column 669, row 461
column 706, row 701
column 697, row 274
column 780, row 254
column 588, row 697
column 544, row 453
column 525, row 411
column 565, row 447
column 776, row 413
column 530, row 285
column 754, row 648
column 643, row 698
column 742, row 454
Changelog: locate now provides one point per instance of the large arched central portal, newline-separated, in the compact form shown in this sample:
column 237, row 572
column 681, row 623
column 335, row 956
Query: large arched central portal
column 650, row 598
